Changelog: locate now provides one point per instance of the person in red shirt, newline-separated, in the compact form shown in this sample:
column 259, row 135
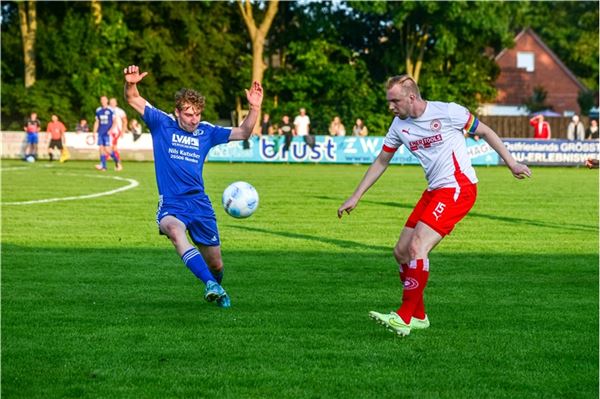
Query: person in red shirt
column 541, row 128
column 56, row 131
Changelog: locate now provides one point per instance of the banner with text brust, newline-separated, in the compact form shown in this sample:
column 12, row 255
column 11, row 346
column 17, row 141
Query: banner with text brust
column 326, row 149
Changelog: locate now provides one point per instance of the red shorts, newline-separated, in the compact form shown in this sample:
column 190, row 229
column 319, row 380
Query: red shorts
column 439, row 209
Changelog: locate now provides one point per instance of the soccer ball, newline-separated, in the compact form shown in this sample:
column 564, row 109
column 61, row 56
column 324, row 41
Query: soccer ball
column 240, row 200
column 30, row 158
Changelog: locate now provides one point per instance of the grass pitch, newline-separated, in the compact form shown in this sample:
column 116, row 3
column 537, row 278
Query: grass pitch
column 95, row 304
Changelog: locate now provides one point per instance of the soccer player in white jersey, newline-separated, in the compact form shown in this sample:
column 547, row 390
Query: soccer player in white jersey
column 433, row 132
column 117, row 130
column 180, row 145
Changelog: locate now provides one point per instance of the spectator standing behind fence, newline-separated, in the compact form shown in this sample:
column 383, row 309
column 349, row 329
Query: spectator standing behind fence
column 575, row 130
column 359, row 128
column 266, row 128
column 56, row 131
column 135, row 128
column 336, row 127
column 32, row 128
column 592, row 131
column 302, row 128
column 82, row 127
column 541, row 128
column 287, row 130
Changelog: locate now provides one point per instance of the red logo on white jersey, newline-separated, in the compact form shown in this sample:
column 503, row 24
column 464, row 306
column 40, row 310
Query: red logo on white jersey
column 435, row 125
column 425, row 142
column 405, row 131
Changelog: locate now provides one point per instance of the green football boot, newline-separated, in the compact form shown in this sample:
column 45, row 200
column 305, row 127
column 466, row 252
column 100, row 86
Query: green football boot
column 419, row 324
column 392, row 322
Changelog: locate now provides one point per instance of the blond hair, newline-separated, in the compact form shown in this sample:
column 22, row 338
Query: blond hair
column 407, row 83
column 185, row 98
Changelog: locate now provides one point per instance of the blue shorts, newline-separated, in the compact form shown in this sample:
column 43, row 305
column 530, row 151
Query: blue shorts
column 32, row 138
column 104, row 140
column 196, row 213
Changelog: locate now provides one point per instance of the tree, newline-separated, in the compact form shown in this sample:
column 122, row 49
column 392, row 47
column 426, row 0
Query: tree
column 537, row 101
column 28, row 23
column 258, row 33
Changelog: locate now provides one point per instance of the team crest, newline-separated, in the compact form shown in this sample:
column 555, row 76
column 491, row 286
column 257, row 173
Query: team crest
column 435, row 125
column 198, row 132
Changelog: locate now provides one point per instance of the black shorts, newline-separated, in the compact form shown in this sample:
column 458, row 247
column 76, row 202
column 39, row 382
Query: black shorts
column 55, row 144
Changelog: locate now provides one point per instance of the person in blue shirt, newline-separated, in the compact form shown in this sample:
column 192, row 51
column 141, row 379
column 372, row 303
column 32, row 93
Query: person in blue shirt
column 105, row 117
column 181, row 143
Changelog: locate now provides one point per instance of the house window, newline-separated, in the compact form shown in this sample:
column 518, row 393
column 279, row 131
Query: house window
column 526, row 60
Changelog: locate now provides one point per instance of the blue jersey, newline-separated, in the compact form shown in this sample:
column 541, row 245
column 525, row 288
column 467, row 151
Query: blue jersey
column 179, row 155
column 105, row 120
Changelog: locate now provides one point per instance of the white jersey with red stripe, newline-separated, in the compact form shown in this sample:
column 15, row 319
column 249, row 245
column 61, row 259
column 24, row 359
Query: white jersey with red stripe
column 436, row 138
column 118, row 127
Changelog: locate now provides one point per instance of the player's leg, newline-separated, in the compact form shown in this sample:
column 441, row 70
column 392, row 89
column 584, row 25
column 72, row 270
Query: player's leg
column 175, row 230
column 423, row 240
column 115, row 153
column 402, row 255
column 205, row 234
column 214, row 260
column 101, row 153
column 401, row 252
column 34, row 147
column 50, row 152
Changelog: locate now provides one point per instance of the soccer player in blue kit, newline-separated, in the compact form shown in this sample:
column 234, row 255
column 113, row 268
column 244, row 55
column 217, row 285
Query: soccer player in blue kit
column 181, row 143
column 105, row 117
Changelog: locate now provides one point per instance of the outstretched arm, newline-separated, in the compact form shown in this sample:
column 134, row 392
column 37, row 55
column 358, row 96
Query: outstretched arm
column 371, row 176
column 518, row 170
column 255, row 97
column 132, row 95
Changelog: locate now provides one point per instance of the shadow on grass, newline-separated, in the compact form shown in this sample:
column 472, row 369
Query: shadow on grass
column 507, row 219
column 327, row 240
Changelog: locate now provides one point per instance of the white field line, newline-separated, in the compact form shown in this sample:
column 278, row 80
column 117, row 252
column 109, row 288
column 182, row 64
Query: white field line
column 132, row 184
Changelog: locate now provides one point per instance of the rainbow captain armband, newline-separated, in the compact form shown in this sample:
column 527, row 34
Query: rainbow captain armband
column 471, row 124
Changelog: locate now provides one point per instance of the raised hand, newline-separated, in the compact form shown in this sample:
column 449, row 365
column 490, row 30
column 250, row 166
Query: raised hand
column 133, row 75
column 255, row 95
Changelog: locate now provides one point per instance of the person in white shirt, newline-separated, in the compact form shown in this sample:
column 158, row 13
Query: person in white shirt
column 433, row 132
column 302, row 128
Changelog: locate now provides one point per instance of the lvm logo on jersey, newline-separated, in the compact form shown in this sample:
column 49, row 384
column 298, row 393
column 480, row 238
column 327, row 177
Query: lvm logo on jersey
column 180, row 140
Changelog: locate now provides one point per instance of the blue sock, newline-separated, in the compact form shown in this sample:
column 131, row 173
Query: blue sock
column 218, row 276
column 194, row 261
column 103, row 161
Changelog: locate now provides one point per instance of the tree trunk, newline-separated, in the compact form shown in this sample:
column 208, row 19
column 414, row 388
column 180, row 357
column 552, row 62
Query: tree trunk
column 258, row 35
column 96, row 12
column 28, row 22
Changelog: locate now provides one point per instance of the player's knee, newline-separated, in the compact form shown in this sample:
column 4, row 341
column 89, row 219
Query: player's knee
column 401, row 255
column 215, row 265
column 415, row 248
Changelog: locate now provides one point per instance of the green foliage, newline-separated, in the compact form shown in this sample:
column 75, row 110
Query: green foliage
column 537, row 101
column 331, row 58
column 586, row 100
column 333, row 82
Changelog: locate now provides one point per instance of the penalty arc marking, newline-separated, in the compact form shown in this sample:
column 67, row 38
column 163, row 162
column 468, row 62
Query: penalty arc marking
column 132, row 184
